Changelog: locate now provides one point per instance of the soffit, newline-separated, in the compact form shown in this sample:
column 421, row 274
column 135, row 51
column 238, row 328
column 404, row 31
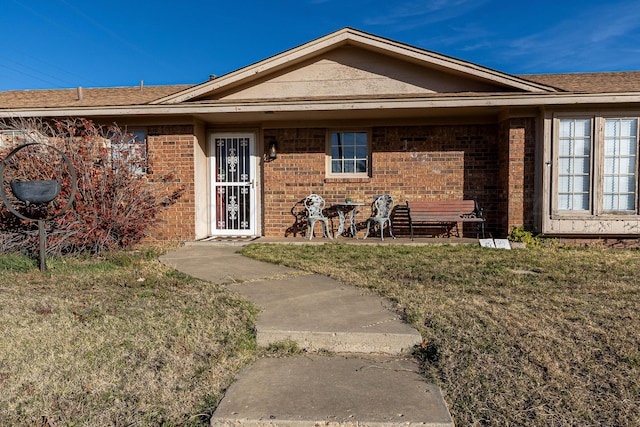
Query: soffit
column 243, row 112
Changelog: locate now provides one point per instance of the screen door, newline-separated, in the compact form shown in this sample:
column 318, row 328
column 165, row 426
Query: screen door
column 233, row 195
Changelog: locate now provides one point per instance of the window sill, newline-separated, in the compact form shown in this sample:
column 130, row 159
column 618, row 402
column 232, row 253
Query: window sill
column 341, row 179
column 603, row 216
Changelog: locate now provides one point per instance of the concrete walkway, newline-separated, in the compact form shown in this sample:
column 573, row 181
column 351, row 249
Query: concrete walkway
column 368, row 378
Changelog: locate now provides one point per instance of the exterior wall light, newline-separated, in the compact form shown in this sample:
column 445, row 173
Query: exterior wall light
column 273, row 150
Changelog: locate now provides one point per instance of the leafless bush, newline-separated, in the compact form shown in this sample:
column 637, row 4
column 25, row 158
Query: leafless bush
column 114, row 206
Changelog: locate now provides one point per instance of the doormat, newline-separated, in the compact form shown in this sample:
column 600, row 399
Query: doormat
column 228, row 239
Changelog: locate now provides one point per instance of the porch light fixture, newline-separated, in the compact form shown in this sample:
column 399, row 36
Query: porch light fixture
column 273, row 149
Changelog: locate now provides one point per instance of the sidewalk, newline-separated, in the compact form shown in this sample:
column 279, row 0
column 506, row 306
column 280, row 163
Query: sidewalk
column 368, row 379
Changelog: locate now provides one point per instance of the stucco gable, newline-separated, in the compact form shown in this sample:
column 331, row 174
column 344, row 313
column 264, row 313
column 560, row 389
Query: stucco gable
column 350, row 63
column 349, row 72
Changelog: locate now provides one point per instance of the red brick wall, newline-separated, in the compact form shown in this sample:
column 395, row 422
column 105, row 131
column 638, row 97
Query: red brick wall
column 529, row 181
column 410, row 163
column 517, row 174
column 171, row 166
column 493, row 164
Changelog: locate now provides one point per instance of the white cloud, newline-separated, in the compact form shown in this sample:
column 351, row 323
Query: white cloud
column 590, row 36
column 466, row 37
column 594, row 39
column 408, row 15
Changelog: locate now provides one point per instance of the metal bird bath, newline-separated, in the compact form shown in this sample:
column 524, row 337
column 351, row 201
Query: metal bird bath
column 32, row 192
column 37, row 192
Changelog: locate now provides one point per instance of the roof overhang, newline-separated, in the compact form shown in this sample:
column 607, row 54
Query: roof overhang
column 309, row 108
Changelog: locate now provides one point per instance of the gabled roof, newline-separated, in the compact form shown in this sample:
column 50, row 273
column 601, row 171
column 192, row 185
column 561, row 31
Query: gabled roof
column 381, row 74
column 352, row 37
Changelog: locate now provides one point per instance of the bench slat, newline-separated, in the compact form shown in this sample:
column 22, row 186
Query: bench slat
column 444, row 212
column 444, row 218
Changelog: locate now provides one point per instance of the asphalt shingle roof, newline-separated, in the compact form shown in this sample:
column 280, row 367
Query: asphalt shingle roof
column 91, row 97
column 606, row 82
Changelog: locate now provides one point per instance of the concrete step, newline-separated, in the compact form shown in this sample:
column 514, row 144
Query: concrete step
column 332, row 391
column 322, row 314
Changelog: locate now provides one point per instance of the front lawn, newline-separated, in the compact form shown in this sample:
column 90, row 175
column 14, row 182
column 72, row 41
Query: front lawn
column 119, row 341
column 543, row 337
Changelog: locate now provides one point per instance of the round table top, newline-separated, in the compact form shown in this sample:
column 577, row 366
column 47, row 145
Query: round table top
column 350, row 203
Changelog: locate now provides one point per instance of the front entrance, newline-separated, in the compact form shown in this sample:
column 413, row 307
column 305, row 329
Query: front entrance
column 233, row 189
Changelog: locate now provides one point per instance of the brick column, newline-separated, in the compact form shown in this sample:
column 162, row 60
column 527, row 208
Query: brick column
column 517, row 152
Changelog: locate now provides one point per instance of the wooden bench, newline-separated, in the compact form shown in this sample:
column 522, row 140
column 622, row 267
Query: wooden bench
column 445, row 215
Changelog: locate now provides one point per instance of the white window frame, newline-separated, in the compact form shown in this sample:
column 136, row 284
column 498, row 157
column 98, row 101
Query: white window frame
column 596, row 168
column 13, row 138
column 572, row 158
column 140, row 152
column 330, row 159
column 619, row 175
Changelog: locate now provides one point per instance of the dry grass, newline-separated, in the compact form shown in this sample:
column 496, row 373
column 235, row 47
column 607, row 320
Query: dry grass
column 119, row 341
column 545, row 337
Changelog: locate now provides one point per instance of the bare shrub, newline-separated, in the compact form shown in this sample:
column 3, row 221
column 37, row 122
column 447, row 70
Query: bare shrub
column 114, row 206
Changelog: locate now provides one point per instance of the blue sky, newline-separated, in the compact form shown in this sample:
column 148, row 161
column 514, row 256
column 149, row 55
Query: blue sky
column 48, row 44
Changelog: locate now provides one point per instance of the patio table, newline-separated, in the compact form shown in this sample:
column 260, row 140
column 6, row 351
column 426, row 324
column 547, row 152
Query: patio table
column 344, row 208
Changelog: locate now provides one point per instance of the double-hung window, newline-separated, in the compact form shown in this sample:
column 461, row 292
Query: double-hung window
column 574, row 164
column 597, row 168
column 348, row 153
column 620, row 147
column 130, row 148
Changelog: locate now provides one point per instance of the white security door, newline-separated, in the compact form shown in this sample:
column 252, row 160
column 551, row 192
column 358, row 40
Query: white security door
column 233, row 198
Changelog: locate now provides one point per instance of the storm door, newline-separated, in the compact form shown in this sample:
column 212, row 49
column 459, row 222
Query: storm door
column 233, row 198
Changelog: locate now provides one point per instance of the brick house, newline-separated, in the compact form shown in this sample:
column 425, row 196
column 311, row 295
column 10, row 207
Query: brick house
column 354, row 115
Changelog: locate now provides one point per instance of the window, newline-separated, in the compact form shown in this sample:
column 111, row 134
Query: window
column 131, row 148
column 596, row 170
column 12, row 138
column 620, row 143
column 574, row 159
column 349, row 153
